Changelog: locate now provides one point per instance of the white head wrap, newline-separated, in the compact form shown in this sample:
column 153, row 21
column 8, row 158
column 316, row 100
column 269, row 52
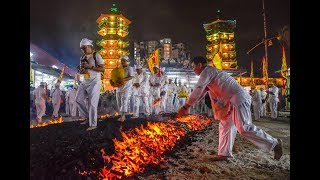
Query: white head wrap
column 125, row 58
column 86, row 42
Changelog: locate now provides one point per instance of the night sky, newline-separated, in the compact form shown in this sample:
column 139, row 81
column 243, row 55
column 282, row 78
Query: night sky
column 58, row 26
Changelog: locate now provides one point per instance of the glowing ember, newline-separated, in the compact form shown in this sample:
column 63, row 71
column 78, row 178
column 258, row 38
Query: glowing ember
column 108, row 115
column 104, row 116
column 156, row 102
column 53, row 121
column 146, row 145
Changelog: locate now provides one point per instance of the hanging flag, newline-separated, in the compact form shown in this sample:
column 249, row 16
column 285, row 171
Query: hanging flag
column 265, row 72
column 154, row 60
column 75, row 79
column 251, row 75
column 284, row 68
column 31, row 75
column 217, row 59
column 61, row 74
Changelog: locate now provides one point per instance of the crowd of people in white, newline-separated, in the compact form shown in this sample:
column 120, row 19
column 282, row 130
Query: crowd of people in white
column 141, row 95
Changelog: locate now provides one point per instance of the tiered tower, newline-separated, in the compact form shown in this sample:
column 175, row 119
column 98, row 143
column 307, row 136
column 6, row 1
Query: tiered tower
column 113, row 27
column 220, row 34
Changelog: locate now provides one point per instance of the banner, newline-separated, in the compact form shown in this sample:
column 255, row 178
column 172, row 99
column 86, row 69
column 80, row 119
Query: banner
column 265, row 72
column 217, row 59
column 284, row 68
column 252, row 76
column 61, row 74
column 32, row 80
column 154, row 60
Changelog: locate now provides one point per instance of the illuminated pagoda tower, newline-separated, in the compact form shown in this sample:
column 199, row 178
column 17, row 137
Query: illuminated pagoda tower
column 113, row 27
column 220, row 36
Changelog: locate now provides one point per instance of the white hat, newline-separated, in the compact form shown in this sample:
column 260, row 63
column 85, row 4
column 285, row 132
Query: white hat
column 137, row 66
column 162, row 69
column 43, row 83
column 125, row 58
column 86, row 42
column 156, row 66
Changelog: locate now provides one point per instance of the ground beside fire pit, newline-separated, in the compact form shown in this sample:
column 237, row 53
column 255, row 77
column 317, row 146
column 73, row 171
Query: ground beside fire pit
column 61, row 151
column 193, row 161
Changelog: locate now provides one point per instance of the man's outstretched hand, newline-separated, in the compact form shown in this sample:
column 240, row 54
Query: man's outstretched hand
column 182, row 111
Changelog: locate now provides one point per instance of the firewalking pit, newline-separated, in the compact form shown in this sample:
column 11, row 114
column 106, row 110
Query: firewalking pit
column 52, row 121
column 114, row 150
column 168, row 148
column 146, row 145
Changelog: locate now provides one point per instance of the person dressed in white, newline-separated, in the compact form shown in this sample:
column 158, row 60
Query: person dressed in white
column 172, row 90
column 182, row 95
column 72, row 102
column 163, row 91
column 234, row 103
column 256, row 102
column 123, row 92
column 39, row 99
column 140, row 91
column 263, row 100
column 273, row 100
column 56, row 95
column 155, row 81
column 91, row 68
column 66, row 96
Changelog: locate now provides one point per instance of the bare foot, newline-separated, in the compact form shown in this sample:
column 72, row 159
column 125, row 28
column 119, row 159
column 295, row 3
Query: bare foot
column 91, row 128
column 219, row 158
column 278, row 150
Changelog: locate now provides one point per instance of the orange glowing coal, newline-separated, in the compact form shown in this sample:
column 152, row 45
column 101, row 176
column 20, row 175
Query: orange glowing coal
column 146, row 145
column 53, row 121
column 104, row 116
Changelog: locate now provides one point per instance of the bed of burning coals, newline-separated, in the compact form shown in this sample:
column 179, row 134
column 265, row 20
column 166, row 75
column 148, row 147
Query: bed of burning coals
column 160, row 147
column 115, row 150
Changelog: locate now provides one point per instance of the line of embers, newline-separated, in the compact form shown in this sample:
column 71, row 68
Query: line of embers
column 146, row 145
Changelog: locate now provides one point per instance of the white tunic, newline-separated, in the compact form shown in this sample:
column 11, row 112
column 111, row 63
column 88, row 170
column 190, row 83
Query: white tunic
column 142, row 79
column 221, row 85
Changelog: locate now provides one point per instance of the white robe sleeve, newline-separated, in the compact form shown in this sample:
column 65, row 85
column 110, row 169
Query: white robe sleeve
column 99, row 59
column 200, row 87
column 144, row 80
column 130, row 73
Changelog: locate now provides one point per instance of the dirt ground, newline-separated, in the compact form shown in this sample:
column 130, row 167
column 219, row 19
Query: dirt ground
column 61, row 151
column 193, row 162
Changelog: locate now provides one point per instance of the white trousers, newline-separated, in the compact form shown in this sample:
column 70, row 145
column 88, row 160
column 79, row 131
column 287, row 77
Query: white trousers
column 169, row 104
column 145, row 101
column 241, row 121
column 67, row 108
column 273, row 109
column 181, row 102
column 155, row 94
column 92, row 91
column 41, row 109
column 122, row 98
column 256, row 110
column 263, row 110
column 73, row 108
column 163, row 106
column 56, row 107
